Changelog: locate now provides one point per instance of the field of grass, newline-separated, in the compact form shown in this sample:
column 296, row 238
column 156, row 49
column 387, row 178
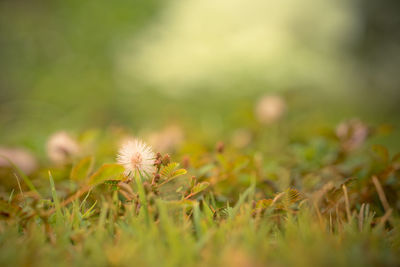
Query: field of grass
column 270, row 200
column 270, row 133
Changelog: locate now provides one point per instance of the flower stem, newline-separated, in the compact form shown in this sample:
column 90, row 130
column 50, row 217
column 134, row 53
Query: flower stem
column 142, row 197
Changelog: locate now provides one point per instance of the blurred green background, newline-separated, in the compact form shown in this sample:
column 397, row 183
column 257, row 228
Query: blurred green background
column 77, row 65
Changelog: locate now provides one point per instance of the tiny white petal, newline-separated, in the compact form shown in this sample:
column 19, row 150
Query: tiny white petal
column 136, row 156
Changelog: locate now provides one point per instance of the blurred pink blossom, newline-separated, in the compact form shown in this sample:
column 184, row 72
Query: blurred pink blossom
column 167, row 139
column 61, row 148
column 352, row 134
column 20, row 157
column 270, row 108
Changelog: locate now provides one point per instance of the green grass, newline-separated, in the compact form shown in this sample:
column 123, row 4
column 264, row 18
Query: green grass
column 312, row 203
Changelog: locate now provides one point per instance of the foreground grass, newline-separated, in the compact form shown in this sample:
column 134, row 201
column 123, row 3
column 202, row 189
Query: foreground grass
column 317, row 205
column 175, row 239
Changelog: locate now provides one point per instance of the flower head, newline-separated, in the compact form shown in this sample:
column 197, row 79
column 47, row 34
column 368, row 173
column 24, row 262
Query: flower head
column 167, row 139
column 136, row 156
column 352, row 134
column 241, row 138
column 61, row 148
column 20, row 157
column 270, row 108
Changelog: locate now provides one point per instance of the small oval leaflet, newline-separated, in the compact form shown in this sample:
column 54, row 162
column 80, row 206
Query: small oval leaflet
column 82, row 169
column 107, row 172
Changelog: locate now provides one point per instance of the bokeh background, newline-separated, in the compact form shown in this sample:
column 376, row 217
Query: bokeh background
column 77, row 65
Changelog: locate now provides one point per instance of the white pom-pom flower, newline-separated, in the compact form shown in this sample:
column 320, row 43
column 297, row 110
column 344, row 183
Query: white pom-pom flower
column 137, row 157
column 270, row 108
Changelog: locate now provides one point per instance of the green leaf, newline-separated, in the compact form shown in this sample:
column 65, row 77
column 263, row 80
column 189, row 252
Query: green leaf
column 167, row 171
column 179, row 189
column 208, row 212
column 174, row 175
column 90, row 211
column 56, row 201
column 82, row 169
column 293, row 196
column 177, row 173
column 199, row 187
column 248, row 193
column 107, row 172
